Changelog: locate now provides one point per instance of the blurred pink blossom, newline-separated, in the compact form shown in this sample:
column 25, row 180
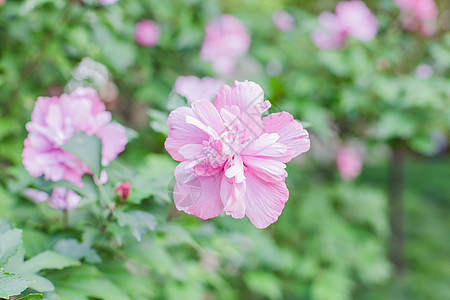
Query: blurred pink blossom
column 419, row 15
column 233, row 159
column 36, row 195
column 283, row 20
column 107, row 2
column 424, row 71
column 194, row 88
column 349, row 162
column 352, row 18
column 123, row 189
column 55, row 120
column 63, row 198
column 146, row 33
column 226, row 40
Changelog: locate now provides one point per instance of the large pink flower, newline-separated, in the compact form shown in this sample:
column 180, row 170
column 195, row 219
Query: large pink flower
column 226, row 40
column 352, row 18
column 194, row 88
column 233, row 159
column 419, row 15
column 55, row 120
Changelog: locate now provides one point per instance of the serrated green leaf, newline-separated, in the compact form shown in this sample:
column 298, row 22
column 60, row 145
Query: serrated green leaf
column 139, row 221
column 88, row 148
column 11, row 284
column 47, row 260
column 10, row 242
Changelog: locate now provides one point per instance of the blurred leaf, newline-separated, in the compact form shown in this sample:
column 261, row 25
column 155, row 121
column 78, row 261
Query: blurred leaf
column 156, row 183
column 47, row 260
column 138, row 221
column 331, row 284
column 266, row 284
column 158, row 121
column 82, row 282
column 10, row 242
column 88, row 148
column 75, row 250
column 39, row 283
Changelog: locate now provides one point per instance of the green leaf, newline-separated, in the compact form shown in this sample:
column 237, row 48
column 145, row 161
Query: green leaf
column 33, row 297
column 266, row 284
column 139, row 221
column 88, row 148
column 159, row 121
column 11, row 284
column 156, row 183
column 39, row 283
column 83, row 282
column 10, row 242
column 76, row 250
column 47, row 260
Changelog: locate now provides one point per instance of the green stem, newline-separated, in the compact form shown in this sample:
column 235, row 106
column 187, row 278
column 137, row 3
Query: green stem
column 107, row 201
column 65, row 216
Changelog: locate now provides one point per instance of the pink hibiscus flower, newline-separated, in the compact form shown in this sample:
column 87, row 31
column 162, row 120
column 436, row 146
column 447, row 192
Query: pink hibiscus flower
column 232, row 158
column 226, row 40
column 283, row 21
column 55, row 120
column 419, row 15
column 352, row 18
column 349, row 162
column 146, row 33
column 107, row 2
column 61, row 198
column 194, row 88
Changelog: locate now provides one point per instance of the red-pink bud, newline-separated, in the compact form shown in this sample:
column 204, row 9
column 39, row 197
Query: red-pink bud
column 123, row 189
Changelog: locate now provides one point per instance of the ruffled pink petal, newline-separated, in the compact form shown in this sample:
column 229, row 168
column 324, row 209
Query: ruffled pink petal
column 114, row 139
column 245, row 95
column 89, row 94
column 291, row 134
column 182, row 133
column 197, row 195
column 266, row 145
column 208, row 115
column 191, row 151
column 194, row 88
column 267, row 169
column 264, row 201
column 40, row 110
column 232, row 196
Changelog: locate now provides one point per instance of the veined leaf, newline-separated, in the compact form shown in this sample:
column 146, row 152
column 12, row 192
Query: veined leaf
column 11, row 284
